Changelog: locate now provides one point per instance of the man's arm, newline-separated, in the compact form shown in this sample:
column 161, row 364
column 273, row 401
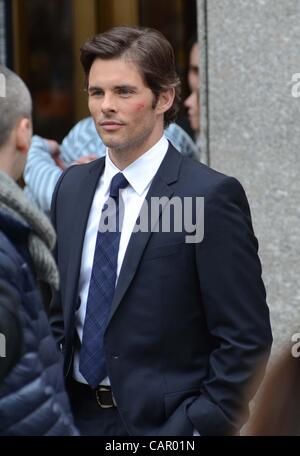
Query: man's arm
column 182, row 141
column 236, row 312
column 42, row 172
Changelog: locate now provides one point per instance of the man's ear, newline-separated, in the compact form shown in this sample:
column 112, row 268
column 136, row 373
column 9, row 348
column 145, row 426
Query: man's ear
column 165, row 100
column 23, row 135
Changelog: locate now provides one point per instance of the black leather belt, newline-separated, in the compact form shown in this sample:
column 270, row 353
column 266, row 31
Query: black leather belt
column 103, row 394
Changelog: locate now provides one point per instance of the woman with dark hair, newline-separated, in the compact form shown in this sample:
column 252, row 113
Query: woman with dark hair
column 192, row 102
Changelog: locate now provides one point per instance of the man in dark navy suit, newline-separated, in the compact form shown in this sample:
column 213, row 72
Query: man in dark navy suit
column 163, row 326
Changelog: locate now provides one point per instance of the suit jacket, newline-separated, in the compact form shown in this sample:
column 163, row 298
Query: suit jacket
column 189, row 324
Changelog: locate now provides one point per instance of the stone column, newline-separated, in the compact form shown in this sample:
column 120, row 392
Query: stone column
column 2, row 33
column 251, row 128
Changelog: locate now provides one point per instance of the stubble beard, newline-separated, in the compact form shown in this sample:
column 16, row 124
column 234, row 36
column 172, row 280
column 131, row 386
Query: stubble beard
column 128, row 146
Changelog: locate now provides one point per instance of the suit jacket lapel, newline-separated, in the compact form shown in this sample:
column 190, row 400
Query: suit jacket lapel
column 86, row 193
column 166, row 175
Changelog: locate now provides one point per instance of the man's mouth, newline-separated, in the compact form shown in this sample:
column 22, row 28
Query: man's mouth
column 111, row 125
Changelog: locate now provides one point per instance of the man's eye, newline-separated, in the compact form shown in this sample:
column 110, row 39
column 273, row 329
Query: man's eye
column 125, row 92
column 96, row 93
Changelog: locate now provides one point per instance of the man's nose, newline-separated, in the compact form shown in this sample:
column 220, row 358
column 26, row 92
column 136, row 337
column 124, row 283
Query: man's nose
column 108, row 103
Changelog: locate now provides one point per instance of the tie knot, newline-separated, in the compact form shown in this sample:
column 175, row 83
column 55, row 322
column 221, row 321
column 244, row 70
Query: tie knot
column 118, row 182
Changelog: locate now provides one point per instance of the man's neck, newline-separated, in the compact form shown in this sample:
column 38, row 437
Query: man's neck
column 7, row 164
column 122, row 158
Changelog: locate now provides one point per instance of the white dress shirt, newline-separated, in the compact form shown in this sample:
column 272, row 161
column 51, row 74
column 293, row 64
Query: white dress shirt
column 139, row 174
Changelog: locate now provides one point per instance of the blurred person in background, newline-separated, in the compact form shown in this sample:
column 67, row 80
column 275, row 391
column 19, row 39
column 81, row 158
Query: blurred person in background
column 192, row 102
column 277, row 406
column 33, row 400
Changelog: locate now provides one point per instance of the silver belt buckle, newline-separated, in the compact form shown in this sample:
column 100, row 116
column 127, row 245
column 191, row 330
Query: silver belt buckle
column 105, row 388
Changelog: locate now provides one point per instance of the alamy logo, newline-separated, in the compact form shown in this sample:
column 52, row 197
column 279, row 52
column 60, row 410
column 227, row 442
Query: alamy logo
column 296, row 86
column 295, row 350
column 2, row 346
column 2, row 86
column 163, row 215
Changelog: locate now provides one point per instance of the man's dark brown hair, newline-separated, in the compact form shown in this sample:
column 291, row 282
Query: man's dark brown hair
column 148, row 49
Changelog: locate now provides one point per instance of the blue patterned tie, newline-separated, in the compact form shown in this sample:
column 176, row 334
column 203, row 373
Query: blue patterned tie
column 102, row 286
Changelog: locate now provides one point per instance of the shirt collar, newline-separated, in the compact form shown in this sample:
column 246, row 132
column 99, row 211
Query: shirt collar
column 141, row 172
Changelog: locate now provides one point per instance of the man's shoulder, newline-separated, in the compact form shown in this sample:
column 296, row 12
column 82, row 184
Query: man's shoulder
column 204, row 179
column 75, row 172
column 196, row 168
column 73, row 183
column 193, row 168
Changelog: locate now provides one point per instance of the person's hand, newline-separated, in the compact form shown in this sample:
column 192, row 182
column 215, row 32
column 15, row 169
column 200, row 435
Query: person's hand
column 85, row 159
column 54, row 149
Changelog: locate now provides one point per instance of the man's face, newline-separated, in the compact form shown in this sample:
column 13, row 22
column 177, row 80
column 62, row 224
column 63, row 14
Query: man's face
column 122, row 106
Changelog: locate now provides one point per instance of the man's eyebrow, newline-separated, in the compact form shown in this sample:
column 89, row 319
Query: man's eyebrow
column 90, row 88
column 117, row 87
column 125, row 86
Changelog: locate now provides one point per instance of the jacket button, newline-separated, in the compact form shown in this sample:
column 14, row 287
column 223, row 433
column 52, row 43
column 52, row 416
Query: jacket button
column 115, row 356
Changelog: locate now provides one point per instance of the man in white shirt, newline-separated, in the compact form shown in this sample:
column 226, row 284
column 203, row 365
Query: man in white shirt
column 162, row 328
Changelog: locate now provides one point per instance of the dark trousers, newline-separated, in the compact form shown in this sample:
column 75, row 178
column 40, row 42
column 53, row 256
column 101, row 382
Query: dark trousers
column 89, row 417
